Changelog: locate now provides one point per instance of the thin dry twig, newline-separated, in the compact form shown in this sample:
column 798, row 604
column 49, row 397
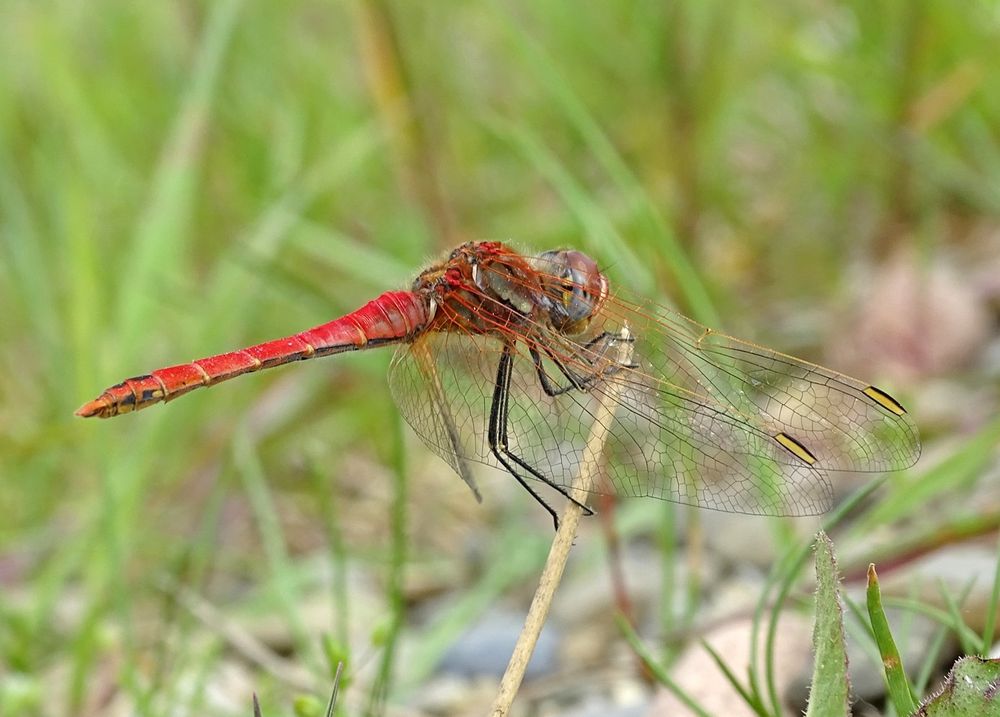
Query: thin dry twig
column 563, row 541
column 245, row 644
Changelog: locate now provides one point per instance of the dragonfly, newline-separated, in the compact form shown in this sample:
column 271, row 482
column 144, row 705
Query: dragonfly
column 503, row 359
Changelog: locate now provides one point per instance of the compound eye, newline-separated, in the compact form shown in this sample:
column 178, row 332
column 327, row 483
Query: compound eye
column 577, row 301
column 577, row 287
column 569, row 288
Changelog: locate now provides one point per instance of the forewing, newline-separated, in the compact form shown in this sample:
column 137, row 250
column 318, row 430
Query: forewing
column 844, row 424
column 662, row 443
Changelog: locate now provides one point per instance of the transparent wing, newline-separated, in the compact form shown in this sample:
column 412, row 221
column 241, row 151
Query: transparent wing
column 700, row 417
column 665, row 444
column 842, row 423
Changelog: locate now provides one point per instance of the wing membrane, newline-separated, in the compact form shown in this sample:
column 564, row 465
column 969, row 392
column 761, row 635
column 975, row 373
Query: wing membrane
column 846, row 424
column 665, row 444
column 701, row 418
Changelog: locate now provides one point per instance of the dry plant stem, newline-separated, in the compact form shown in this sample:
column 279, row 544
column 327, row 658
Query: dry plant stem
column 241, row 641
column 561, row 544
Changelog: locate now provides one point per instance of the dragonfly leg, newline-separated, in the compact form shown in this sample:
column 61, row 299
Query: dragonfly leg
column 575, row 382
column 610, row 340
column 579, row 382
column 498, row 439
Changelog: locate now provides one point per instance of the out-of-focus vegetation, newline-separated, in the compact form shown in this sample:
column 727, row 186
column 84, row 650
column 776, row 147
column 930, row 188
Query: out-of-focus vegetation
column 183, row 178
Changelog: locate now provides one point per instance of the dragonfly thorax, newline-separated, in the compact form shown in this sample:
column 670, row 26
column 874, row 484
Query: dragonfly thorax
column 483, row 288
column 486, row 287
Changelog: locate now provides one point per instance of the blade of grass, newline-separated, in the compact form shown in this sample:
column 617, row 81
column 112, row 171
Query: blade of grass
column 378, row 267
column 956, row 473
column 397, row 563
column 544, row 70
column 656, row 669
column 989, row 627
column 910, row 545
column 336, row 689
column 969, row 646
column 413, row 157
column 931, row 661
column 895, row 676
column 162, row 222
column 599, row 233
column 236, row 638
column 666, row 533
column 329, row 518
column 782, row 577
column 164, row 226
column 25, row 264
column 515, row 557
column 752, row 699
column 829, row 694
column 943, row 617
column 281, row 579
column 192, row 571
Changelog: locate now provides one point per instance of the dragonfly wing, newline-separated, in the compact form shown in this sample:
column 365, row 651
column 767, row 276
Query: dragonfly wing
column 669, row 443
column 442, row 385
column 842, row 423
column 661, row 443
column 700, row 417
column 424, row 381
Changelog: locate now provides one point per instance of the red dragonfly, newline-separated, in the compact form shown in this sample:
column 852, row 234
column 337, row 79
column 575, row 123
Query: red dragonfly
column 504, row 358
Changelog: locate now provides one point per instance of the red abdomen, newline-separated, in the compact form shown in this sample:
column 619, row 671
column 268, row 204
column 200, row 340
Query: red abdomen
column 393, row 317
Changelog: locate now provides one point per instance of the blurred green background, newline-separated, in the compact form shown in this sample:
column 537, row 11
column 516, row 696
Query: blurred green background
column 179, row 179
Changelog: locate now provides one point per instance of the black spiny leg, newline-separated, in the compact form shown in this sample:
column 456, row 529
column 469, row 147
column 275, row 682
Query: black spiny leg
column 576, row 381
column 497, row 438
column 543, row 378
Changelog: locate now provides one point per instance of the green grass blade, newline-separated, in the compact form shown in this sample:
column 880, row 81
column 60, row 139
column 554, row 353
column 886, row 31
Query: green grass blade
column 282, row 573
column 166, row 220
column 656, row 669
column 969, row 640
column 752, row 699
column 829, row 695
column 989, row 628
column 932, row 660
column 515, row 557
column 397, row 564
column 942, row 617
column 544, row 70
column 956, row 473
column 782, row 578
column 600, row 234
column 895, row 676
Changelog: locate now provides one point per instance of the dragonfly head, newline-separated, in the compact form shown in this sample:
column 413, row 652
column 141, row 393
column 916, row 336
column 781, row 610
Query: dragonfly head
column 575, row 287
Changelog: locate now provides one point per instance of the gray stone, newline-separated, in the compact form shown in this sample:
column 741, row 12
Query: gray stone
column 485, row 648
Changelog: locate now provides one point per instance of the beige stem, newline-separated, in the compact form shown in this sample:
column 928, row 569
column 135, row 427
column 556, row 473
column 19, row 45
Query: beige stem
column 559, row 552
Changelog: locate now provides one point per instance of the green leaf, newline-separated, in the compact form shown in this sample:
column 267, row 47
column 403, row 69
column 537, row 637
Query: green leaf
column 830, row 692
column 656, row 669
column 970, row 690
column 895, row 676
